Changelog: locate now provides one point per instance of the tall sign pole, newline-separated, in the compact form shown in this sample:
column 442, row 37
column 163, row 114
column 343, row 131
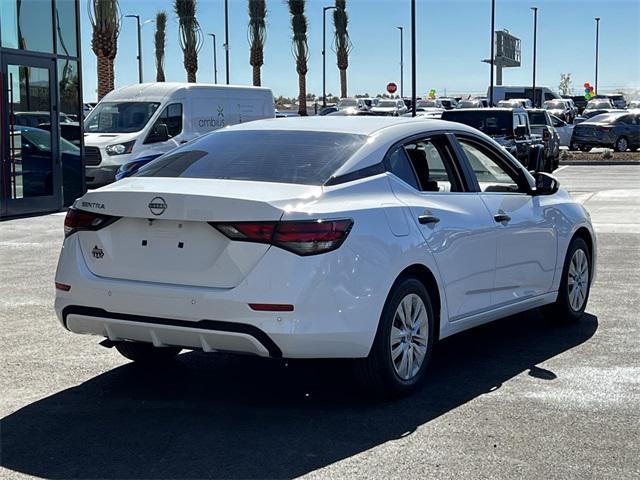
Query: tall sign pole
column 413, row 58
column 492, row 59
column 401, row 61
column 535, row 33
column 597, row 42
column 226, row 38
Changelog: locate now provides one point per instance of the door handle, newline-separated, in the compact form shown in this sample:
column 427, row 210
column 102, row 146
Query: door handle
column 501, row 217
column 427, row 219
column 182, row 142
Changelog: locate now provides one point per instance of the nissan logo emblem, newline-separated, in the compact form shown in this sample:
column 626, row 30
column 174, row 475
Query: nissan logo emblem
column 157, row 206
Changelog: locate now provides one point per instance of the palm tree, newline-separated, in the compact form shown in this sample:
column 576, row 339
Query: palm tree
column 104, row 16
column 300, row 50
column 257, row 36
column 342, row 42
column 160, row 42
column 191, row 37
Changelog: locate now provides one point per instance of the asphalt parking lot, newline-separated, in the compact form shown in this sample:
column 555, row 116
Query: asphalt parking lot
column 524, row 397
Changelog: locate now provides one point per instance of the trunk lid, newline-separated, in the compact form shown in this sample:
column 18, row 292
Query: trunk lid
column 163, row 235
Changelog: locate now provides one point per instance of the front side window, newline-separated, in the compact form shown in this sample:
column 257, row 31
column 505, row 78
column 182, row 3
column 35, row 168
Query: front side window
column 119, row 117
column 491, row 176
column 281, row 156
column 171, row 117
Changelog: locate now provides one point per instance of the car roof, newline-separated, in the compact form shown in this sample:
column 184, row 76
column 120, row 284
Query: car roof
column 159, row 90
column 492, row 109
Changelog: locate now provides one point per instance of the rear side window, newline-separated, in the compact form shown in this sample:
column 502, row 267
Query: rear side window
column 283, row 156
column 399, row 165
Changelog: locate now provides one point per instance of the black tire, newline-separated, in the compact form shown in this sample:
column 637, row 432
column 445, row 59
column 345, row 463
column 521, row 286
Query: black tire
column 146, row 353
column 377, row 372
column 622, row 144
column 562, row 310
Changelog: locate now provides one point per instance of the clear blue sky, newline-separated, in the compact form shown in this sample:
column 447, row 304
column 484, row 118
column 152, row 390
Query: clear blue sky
column 453, row 36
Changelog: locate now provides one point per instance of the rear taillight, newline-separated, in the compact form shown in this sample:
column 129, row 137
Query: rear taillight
column 308, row 237
column 77, row 220
column 600, row 128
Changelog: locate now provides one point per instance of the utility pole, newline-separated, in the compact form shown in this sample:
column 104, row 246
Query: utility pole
column 492, row 58
column 324, row 54
column 137, row 17
column 413, row 58
column 215, row 61
column 535, row 33
column 401, row 62
column 226, row 38
column 597, row 42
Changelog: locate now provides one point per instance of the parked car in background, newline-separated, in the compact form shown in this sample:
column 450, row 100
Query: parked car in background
column 349, row 102
column 633, row 104
column 541, row 124
column 515, row 103
column 161, row 116
column 507, row 92
column 472, row 103
column 507, row 126
column 35, row 119
column 599, row 104
column 448, row 103
column 430, row 103
column 286, row 113
column 426, row 113
column 619, row 130
column 578, row 100
column 328, row 110
column 560, row 108
column 322, row 238
column 389, row 106
column 587, row 114
column 564, row 129
column 370, row 101
column 618, row 100
column 70, row 131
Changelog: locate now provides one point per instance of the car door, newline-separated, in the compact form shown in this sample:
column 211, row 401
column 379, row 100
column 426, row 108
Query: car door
column 526, row 237
column 171, row 117
column 454, row 222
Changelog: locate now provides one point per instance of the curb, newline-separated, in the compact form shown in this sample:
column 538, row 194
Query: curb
column 600, row 162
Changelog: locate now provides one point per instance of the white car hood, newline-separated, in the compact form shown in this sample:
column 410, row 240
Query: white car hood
column 103, row 139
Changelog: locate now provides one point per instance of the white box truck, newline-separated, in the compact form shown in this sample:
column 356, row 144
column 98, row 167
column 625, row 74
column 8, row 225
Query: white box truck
column 154, row 118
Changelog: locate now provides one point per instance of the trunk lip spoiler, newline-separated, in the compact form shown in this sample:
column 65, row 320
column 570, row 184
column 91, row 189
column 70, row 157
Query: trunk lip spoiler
column 205, row 324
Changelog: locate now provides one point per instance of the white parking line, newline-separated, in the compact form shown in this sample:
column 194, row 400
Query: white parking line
column 560, row 169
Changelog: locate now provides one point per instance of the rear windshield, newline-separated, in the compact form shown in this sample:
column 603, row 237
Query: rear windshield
column 283, row 156
column 537, row 118
column 489, row 122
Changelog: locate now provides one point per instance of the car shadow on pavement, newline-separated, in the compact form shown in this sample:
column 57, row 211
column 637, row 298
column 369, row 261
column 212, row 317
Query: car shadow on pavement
column 223, row 416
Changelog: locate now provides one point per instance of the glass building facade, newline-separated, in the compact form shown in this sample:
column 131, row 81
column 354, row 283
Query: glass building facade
column 41, row 147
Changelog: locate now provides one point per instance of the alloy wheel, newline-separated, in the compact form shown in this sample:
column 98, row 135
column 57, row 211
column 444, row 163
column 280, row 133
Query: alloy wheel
column 622, row 144
column 578, row 281
column 409, row 336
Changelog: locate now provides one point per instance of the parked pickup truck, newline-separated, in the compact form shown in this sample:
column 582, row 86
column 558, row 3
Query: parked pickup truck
column 507, row 126
column 542, row 124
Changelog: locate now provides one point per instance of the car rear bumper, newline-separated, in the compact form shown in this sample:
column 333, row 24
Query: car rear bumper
column 335, row 315
column 100, row 175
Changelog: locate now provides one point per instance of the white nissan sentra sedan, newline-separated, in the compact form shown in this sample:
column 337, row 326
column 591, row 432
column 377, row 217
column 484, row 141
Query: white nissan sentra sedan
column 367, row 238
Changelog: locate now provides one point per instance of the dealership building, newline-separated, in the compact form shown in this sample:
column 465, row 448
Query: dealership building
column 40, row 106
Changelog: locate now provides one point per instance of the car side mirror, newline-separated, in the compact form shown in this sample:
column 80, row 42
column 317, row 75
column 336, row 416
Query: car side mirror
column 520, row 131
column 159, row 133
column 546, row 184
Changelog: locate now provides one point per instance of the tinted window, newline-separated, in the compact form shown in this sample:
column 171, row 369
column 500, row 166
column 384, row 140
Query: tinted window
column 537, row 118
column 27, row 25
column 401, row 168
column 308, row 158
column 489, row 122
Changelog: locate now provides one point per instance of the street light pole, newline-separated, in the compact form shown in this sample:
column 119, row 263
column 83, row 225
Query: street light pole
column 491, row 59
column 597, row 42
column 413, row 58
column 226, row 38
column 137, row 17
column 324, row 54
column 535, row 33
column 401, row 62
column 215, row 61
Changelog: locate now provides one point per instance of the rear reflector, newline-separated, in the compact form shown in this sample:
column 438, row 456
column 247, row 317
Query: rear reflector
column 271, row 307
column 77, row 220
column 308, row 237
column 62, row 286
